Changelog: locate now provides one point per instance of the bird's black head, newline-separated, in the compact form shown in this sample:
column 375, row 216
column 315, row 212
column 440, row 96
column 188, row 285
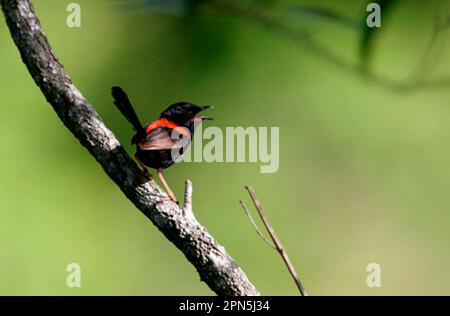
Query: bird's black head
column 184, row 113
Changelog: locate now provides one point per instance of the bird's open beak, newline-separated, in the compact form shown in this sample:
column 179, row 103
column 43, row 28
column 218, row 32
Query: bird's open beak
column 205, row 117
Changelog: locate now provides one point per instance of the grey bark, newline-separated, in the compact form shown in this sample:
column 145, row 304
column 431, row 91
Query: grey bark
column 214, row 265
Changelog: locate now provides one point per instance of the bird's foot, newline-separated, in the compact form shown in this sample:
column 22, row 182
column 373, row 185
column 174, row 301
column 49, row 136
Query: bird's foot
column 166, row 185
column 173, row 197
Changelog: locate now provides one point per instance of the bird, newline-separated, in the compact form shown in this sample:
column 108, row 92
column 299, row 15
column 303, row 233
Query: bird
column 161, row 143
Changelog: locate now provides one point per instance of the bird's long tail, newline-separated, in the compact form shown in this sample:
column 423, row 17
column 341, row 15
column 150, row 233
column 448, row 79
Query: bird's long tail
column 124, row 105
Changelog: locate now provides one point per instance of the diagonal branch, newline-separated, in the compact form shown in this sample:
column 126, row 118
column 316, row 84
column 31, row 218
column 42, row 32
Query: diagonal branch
column 211, row 260
column 276, row 241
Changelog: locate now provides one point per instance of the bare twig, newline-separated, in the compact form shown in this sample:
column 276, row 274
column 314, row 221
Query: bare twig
column 276, row 241
column 187, row 206
column 255, row 226
column 214, row 265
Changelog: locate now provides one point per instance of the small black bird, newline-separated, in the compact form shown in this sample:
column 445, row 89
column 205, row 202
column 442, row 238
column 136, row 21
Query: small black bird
column 164, row 140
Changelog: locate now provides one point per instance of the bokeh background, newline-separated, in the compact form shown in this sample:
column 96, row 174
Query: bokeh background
column 364, row 169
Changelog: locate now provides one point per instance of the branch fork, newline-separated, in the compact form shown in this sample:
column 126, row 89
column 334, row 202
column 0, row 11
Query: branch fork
column 275, row 242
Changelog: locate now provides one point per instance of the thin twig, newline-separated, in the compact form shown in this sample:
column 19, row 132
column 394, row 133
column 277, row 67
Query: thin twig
column 258, row 231
column 278, row 246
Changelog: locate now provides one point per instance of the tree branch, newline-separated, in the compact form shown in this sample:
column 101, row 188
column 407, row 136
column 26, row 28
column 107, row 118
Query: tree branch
column 211, row 260
column 276, row 241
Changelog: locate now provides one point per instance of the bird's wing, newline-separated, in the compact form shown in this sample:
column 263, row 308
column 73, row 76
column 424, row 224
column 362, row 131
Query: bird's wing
column 160, row 138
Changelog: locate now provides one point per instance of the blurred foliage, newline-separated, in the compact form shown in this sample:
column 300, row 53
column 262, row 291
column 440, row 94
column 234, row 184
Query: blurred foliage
column 363, row 173
column 306, row 13
column 171, row 7
column 369, row 33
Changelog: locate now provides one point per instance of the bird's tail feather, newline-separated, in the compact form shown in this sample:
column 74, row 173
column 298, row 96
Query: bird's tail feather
column 124, row 105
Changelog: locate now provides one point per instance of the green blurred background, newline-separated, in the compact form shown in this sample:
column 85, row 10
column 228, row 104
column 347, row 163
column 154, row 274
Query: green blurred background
column 364, row 170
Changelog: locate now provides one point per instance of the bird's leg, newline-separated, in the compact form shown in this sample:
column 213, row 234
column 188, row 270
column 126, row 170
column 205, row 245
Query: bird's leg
column 143, row 167
column 166, row 185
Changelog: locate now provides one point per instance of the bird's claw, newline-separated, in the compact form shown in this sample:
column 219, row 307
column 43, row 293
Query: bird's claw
column 173, row 199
